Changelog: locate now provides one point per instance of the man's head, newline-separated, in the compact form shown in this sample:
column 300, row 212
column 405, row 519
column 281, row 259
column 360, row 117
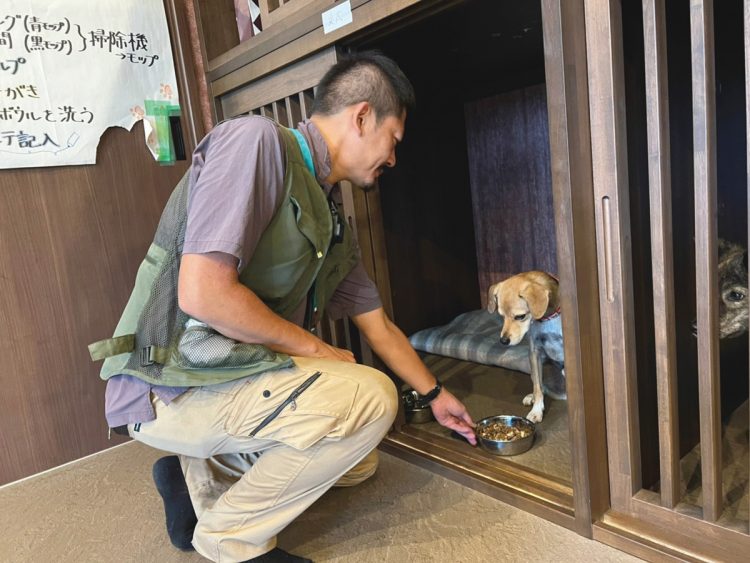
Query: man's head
column 360, row 107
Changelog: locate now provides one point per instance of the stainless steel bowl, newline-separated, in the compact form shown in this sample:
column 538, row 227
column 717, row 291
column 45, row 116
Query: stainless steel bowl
column 414, row 413
column 419, row 416
column 502, row 447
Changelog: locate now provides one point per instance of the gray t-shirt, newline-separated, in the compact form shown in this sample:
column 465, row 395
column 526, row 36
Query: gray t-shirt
column 237, row 179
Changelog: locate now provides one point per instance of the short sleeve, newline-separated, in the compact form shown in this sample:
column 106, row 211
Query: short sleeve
column 237, row 185
column 355, row 295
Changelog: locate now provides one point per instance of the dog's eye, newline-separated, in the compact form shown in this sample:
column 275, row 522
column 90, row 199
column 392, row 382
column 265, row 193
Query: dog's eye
column 735, row 296
column 520, row 317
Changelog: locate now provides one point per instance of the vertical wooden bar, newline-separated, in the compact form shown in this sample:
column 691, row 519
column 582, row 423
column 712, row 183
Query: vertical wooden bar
column 573, row 195
column 305, row 103
column 706, row 251
column 292, row 110
column 280, row 113
column 660, row 190
column 746, row 14
column 610, row 176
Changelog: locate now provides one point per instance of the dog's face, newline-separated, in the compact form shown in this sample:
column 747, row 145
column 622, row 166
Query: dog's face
column 733, row 311
column 733, row 306
column 519, row 299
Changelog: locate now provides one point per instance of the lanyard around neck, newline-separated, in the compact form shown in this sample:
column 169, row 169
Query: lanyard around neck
column 305, row 150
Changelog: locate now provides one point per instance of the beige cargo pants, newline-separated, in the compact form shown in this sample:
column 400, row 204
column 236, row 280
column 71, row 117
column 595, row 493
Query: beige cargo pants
column 247, row 489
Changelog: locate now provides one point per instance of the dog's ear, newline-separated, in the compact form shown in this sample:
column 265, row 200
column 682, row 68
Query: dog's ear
column 492, row 297
column 537, row 296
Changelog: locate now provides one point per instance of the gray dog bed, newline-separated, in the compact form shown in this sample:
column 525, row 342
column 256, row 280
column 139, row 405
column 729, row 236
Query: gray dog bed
column 475, row 337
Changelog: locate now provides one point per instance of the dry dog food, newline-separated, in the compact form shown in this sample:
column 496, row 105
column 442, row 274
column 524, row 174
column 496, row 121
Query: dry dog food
column 503, row 432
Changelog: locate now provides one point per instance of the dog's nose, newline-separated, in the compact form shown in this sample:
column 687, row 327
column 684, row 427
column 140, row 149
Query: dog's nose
column 504, row 340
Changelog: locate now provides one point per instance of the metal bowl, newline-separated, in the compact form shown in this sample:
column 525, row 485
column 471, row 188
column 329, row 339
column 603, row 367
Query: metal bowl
column 503, row 447
column 414, row 413
column 419, row 416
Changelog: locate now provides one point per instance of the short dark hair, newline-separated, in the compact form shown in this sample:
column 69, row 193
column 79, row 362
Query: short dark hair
column 368, row 76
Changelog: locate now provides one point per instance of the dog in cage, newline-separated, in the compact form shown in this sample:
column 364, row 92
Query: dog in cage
column 528, row 303
column 733, row 307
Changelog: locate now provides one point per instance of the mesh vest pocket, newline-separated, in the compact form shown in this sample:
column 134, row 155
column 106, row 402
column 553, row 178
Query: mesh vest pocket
column 201, row 347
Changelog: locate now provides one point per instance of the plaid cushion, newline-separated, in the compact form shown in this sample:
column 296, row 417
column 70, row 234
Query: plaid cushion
column 474, row 337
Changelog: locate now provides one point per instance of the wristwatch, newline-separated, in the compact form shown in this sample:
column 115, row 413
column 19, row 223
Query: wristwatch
column 427, row 398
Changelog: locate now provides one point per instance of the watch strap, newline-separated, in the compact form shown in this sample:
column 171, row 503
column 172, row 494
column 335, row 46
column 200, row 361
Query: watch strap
column 431, row 395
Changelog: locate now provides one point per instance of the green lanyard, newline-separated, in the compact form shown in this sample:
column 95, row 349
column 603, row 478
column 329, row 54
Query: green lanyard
column 305, row 149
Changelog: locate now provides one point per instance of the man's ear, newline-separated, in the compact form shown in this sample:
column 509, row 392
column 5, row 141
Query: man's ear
column 537, row 297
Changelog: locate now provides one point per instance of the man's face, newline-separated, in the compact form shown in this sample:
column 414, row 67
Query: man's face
column 375, row 148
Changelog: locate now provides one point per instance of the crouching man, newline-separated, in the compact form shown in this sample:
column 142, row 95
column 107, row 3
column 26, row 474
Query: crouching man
column 215, row 357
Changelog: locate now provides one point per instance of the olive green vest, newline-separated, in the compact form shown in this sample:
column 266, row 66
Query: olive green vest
column 296, row 259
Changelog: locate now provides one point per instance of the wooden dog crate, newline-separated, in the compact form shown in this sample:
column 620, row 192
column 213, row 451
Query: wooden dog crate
column 541, row 140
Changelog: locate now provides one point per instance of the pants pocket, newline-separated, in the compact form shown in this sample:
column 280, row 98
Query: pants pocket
column 318, row 412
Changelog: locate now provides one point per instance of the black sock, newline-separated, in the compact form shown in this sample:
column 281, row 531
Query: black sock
column 278, row 555
column 181, row 518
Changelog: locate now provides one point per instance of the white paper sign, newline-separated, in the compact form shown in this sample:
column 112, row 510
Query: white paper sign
column 337, row 17
column 69, row 70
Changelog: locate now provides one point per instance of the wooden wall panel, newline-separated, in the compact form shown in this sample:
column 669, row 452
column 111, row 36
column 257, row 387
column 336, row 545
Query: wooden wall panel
column 71, row 241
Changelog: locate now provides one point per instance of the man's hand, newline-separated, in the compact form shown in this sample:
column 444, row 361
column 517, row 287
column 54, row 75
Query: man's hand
column 451, row 413
column 325, row 350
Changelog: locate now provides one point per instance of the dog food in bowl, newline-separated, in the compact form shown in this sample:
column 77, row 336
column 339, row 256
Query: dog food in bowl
column 505, row 434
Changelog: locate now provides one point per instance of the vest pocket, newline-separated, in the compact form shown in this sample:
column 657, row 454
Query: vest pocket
column 318, row 412
column 201, row 347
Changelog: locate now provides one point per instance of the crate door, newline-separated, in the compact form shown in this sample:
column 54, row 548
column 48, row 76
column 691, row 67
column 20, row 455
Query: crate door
column 657, row 217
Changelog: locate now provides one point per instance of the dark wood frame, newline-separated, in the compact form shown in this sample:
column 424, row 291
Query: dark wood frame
column 640, row 520
column 573, row 505
column 592, row 222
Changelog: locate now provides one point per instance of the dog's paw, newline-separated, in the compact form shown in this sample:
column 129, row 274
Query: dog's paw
column 528, row 399
column 535, row 415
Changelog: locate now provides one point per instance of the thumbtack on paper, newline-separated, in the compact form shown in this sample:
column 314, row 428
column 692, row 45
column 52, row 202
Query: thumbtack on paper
column 337, row 17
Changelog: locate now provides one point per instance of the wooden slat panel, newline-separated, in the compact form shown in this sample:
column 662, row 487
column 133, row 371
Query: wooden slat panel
column 306, row 98
column 706, row 253
column 746, row 17
column 610, row 173
column 570, row 161
column 279, row 110
column 657, row 115
column 297, row 77
column 295, row 42
column 293, row 110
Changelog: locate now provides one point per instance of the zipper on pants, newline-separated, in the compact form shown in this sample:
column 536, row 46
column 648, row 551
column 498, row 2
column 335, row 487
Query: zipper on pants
column 290, row 399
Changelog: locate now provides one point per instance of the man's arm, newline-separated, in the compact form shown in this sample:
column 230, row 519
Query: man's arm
column 210, row 291
column 392, row 346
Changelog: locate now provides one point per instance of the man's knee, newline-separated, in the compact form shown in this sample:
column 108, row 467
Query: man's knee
column 362, row 471
column 378, row 397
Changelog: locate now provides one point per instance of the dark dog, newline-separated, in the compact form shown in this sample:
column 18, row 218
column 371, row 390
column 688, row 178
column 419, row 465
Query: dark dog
column 733, row 309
